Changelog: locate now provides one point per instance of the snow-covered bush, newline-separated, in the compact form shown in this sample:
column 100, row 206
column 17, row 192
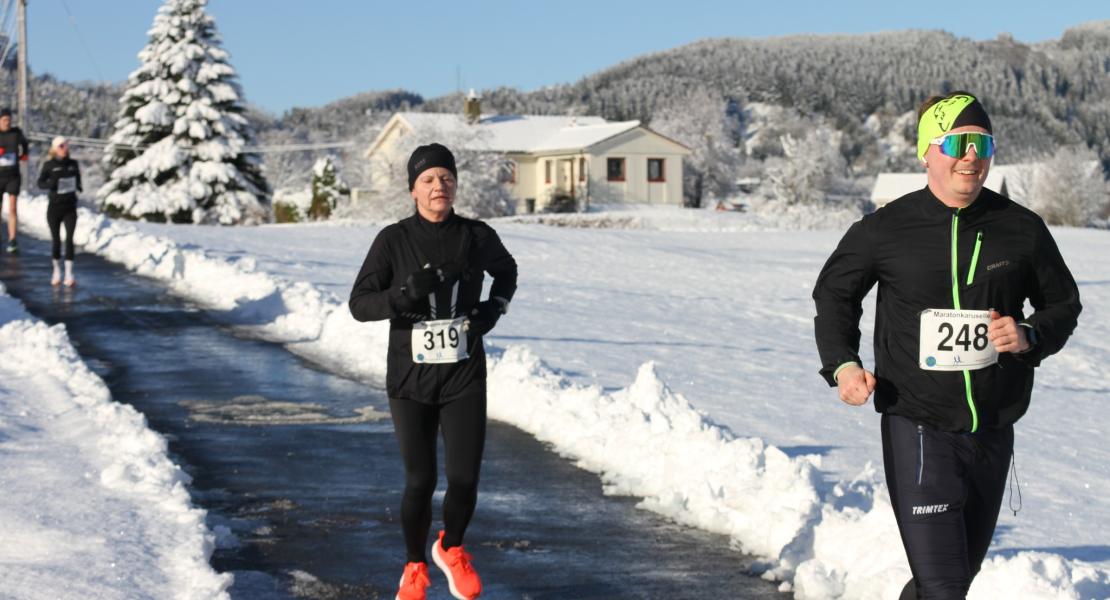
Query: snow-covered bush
column 292, row 205
column 178, row 150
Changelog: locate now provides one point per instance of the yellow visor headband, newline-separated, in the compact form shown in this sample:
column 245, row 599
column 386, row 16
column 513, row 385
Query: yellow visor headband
column 941, row 117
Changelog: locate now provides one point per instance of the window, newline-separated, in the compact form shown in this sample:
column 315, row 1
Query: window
column 547, row 171
column 582, row 169
column 655, row 169
column 615, row 169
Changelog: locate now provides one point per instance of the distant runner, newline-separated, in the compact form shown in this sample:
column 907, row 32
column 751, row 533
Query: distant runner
column 61, row 175
column 954, row 353
column 424, row 273
column 13, row 148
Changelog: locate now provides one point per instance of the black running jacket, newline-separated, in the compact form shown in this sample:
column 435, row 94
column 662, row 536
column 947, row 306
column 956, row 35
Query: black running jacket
column 924, row 254
column 465, row 249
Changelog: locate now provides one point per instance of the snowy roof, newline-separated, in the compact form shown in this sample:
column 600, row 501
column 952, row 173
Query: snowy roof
column 890, row 186
column 520, row 133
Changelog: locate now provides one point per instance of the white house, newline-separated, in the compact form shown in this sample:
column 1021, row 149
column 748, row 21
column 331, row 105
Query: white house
column 587, row 159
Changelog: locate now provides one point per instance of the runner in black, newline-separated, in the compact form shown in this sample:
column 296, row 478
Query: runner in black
column 425, row 274
column 950, row 381
column 61, row 175
column 13, row 148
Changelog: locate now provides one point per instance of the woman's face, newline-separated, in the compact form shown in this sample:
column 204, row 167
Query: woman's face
column 62, row 150
column 434, row 192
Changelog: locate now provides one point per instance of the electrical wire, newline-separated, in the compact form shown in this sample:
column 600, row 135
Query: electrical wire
column 81, row 38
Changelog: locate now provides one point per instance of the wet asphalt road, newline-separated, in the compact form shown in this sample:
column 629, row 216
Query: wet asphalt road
column 299, row 470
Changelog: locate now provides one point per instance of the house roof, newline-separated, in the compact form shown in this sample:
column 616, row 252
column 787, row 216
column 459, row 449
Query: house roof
column 519, row 133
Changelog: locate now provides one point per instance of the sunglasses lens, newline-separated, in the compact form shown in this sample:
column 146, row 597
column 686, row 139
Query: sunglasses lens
column 957, row 144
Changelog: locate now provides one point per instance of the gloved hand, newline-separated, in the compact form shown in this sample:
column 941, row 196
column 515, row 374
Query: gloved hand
column 421, row 283
column 25, row 157
column 483, row 317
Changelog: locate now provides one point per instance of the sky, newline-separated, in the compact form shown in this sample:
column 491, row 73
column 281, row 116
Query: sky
column 304, row 54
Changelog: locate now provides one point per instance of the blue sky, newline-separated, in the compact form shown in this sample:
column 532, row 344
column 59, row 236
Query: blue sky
column 308, row 53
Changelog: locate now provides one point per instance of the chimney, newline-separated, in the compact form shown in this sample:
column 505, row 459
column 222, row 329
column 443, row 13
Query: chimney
column 472, row 108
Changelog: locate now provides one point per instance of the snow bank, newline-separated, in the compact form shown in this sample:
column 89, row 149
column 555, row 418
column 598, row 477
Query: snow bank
column 92, row 505
column 821, row 541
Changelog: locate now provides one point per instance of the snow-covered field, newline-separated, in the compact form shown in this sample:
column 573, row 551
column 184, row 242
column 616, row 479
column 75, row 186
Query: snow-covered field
column 671, row 353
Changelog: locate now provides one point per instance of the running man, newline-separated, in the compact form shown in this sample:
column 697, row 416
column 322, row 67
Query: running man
column 954, row 351
column 13, row 149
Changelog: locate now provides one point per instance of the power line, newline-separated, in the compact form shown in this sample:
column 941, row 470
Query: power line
column 265, row 149
column 80, row 38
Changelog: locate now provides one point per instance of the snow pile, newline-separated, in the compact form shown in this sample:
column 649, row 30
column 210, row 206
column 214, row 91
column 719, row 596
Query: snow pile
column 116, row 519
column 820, row 540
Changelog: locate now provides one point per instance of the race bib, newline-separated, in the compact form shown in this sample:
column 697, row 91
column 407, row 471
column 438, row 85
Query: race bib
column 67, row 185
column 955, row 340
column 437, row 342
column 8, row 159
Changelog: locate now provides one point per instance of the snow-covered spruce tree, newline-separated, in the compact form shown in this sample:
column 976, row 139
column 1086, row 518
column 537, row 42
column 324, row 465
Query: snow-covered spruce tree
column 177, row 153
column 327, row 189
column 811, row 169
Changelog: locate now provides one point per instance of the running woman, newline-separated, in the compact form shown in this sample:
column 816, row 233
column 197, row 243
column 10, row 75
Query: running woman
column 424, row 273
column 13, row 149
column 62, row 177
column 954, row 352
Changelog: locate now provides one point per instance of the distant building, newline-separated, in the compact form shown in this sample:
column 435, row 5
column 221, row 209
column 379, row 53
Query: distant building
column 586, row 159
column 891, row 186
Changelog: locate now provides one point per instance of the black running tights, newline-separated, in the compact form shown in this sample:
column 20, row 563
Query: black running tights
column 463, row 422
column 946, row 489
column 56, row 216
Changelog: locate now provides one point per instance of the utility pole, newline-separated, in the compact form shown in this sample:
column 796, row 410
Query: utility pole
column 23, row 77
column 23, row 65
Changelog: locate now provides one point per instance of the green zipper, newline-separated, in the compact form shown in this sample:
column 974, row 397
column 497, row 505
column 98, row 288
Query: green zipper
column 956, row 304
column 975, row 257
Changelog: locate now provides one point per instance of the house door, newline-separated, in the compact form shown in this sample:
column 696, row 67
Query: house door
column 565, row 179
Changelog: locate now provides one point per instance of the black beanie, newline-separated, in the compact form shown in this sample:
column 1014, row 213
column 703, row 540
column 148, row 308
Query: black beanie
column 5, row 112
column 427, row 157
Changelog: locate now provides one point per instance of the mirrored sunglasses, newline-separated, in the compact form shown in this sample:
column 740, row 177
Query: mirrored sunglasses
column 956, row 145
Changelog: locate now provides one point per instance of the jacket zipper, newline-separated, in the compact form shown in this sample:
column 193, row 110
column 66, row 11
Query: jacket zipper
column 956, row 305
column 975, row 257
column 920, row 452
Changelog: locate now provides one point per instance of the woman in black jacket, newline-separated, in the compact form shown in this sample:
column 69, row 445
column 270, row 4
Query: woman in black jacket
column 424, row 273
column 61, row 175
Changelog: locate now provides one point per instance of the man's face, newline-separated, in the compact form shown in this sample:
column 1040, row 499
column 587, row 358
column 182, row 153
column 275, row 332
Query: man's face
column 434, row 191
column 5, row 123
column 957, row 180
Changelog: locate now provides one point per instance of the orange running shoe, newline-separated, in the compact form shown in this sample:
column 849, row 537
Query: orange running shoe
column 414, row 582
column 461, row 576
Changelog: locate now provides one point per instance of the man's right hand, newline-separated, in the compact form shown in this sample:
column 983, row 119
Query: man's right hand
column 422, row 282
column 855, row 384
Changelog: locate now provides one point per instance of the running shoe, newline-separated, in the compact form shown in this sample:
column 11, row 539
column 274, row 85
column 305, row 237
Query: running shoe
column 414, row 582
column 13, row 247
column 461, row 576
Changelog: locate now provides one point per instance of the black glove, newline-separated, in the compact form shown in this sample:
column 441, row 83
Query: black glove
column 483, row 317
column 421, row 283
